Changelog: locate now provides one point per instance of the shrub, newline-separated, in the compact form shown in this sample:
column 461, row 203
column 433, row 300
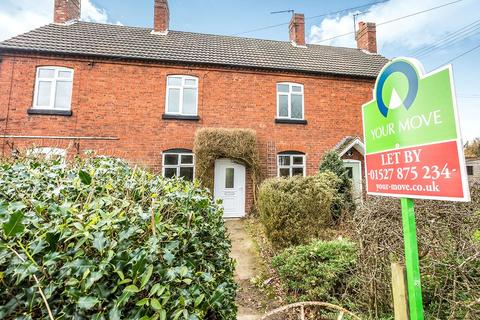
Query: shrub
column 107, row 241
column 318, row 271
column 344, row 201
column 294, row 210
column 449, row 255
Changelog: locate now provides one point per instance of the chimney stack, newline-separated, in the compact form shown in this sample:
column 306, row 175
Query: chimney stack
column 367, row 36
column 297, row 29
column 66, row 10
column 161, row 17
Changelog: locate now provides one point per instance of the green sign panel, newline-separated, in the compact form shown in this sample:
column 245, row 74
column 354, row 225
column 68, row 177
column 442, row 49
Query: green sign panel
column 413, row 110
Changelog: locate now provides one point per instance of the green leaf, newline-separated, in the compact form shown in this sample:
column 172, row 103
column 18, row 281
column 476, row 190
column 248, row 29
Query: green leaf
column 199, row 300
column 138, row 267
column 114, row 314
column 120, row 274
column 131, row 288
column 87, row 303
column 155, row 304
column 16, row 206
column 142, row 302
column 154, row 289
column 146, row 276
column 183, row 271
column 169, row 257
column 99, row 241
column 14, row 225
column 163, row 314
column 85, row 177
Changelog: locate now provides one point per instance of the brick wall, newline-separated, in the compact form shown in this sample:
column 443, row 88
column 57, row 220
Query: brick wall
column 125, row 102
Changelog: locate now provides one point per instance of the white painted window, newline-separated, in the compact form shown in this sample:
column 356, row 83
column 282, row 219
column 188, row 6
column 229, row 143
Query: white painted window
column 182, row 95
column 179, row 164
column 290, row 101
column 291, row 164
column 48, row 153
column 53, row 88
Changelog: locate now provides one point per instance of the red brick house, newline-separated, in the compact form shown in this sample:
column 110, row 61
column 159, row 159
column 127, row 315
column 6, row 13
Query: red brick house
column 141, row 94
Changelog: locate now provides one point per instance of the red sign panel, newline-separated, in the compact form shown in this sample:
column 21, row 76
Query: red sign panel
column 419, row 170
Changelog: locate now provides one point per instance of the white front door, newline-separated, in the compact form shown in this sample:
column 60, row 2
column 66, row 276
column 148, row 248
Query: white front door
column 355, row 173
column 230, row 187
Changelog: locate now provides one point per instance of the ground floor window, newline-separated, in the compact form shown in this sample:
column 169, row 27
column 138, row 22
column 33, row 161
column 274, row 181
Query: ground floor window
column 291, row 164
column 179, row 163
column 470, row 170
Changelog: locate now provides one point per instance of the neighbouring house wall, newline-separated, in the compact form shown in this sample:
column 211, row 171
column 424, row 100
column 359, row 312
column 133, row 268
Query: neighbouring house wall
column 475, row 163
column 125, row 102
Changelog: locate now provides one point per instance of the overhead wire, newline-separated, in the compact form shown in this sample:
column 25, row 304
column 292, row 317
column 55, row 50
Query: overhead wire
column 461, row 55
column 395, row 19
column 443, row 44
column 311, row 17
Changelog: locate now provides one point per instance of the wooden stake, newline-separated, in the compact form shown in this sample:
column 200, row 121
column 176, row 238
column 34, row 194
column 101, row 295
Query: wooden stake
column 399, row 290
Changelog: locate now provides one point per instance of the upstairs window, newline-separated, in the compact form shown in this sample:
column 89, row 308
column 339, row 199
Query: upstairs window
column 291, row 163
column 290, row 101
column 53, row 88
column 182, row 95
column 178, row 163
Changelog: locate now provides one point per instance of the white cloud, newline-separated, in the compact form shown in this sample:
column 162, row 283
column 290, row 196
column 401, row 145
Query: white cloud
column 91, row 13
column 409, row 33
column 19, row 16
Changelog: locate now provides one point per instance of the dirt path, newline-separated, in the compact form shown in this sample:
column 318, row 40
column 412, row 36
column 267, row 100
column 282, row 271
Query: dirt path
column 243, row 251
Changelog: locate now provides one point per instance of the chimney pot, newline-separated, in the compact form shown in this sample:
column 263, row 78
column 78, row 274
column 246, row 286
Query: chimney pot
column 297, row 29
column 66, row 10
column 367, row 36
column 161, row 17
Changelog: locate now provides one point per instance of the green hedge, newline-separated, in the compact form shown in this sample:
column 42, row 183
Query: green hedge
column 107, row 241
column 318, row 271
column 295, row 210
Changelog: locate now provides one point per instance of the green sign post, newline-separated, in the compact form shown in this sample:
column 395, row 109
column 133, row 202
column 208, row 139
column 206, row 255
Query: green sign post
column 414, row 149
column 411, row 259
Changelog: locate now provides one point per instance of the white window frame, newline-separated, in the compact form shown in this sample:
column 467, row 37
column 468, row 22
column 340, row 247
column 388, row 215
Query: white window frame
column 289, row 95
column 53, row 89
column 179, row 164
column 48, row 152
column 181, row 88
column 291, row 166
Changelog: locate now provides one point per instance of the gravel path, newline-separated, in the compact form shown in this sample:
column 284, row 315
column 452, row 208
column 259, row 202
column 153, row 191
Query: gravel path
column 243, row 252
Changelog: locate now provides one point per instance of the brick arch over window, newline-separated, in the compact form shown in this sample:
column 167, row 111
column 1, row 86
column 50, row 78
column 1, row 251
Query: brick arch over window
column 177, row 150
column 291, row 152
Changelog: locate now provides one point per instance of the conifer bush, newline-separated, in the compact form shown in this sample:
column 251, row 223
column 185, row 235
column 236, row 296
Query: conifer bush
column 318, row 271
column 295, row 210
column 98, row 239
column 332, row 162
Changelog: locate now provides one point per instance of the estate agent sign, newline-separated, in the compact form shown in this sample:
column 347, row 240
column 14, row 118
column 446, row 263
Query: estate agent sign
column 412, row 136
column 414, row 149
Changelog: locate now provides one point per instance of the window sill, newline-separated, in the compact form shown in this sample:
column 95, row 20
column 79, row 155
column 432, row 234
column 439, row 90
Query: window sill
column 291, row 121
column 50, row 112
column 179, row 117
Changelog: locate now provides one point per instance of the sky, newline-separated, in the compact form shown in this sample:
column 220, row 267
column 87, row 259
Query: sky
column 434, row 37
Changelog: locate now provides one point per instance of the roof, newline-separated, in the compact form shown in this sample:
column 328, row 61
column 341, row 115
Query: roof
column 123, row 42
column 347, row 143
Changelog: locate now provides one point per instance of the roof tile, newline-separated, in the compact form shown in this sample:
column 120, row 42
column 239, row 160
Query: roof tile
column 106, row 40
